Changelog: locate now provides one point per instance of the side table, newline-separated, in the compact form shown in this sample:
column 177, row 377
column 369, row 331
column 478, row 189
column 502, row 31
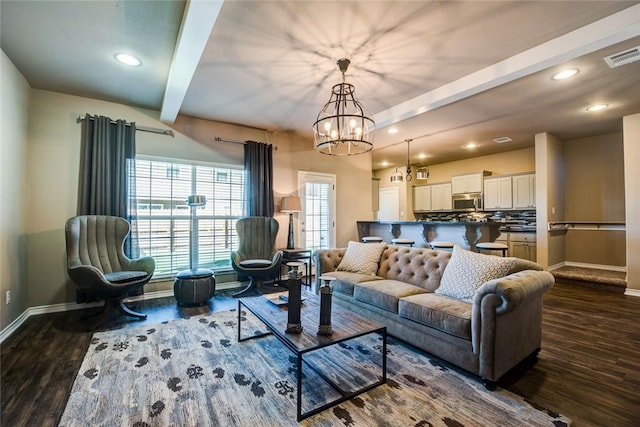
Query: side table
column 301, row 255
column 194, row 286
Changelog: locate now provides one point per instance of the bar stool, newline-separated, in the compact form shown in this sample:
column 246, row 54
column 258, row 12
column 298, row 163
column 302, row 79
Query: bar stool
column 372, row 239
column 492, row 246
column 441, row 245
column 408, row 242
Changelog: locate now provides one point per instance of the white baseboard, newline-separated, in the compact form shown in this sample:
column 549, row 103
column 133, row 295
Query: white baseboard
column 586, row 265
column 69, row 306
column 632, row 292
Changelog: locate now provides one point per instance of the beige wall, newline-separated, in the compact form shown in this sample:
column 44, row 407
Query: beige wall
column 14, row 114
column 594, row 191
column 54, row 147
column 631, row 129
column 510, row 162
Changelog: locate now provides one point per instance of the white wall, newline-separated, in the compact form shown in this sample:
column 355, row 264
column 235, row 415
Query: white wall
column 14, row 114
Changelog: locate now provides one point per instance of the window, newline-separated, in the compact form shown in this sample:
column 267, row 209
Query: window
column 164, row 218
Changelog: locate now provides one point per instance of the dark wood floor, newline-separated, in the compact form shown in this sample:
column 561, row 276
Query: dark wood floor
column 588, row 369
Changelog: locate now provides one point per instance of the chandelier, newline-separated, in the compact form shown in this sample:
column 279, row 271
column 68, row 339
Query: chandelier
column 342, row 128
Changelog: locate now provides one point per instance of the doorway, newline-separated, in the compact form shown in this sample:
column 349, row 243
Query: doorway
column 389, row 204
column 317, row 219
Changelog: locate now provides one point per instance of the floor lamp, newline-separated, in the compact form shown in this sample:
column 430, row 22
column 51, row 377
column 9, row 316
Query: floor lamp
column 290, row 205
column 195, row 285
column 194, row 201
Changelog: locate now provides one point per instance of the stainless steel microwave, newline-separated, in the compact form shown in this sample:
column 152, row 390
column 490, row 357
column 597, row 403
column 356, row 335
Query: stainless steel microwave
column 468, row 202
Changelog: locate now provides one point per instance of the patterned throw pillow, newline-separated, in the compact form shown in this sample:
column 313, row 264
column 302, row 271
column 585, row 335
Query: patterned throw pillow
column 362, row 258
column 467, row 271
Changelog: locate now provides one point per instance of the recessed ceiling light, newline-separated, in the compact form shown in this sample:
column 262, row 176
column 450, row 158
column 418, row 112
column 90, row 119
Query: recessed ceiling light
column 565, row 74
column 471, row 145
column 384, row 164
column 393, row 130
column 598, row 107
column 128, row 59
column 422, row 156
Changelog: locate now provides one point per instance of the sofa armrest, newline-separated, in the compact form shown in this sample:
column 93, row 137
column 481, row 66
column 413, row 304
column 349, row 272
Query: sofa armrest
column 506, row 320
column 514, row 289
column 327, row 260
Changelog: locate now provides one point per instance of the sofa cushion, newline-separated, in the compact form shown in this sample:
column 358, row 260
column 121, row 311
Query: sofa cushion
column 442, row 313
column 345, row 280
column 416, row 266
column 362, row 258
column 467, row 271
column 384, row 293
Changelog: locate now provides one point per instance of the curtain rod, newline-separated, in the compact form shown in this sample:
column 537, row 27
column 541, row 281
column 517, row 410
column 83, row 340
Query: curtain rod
column 223, row 140
column 140, row 128
column 218, row 139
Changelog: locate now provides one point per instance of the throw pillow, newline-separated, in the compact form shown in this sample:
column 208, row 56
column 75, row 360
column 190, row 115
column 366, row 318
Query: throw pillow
column 467, row 271
column 362, row 258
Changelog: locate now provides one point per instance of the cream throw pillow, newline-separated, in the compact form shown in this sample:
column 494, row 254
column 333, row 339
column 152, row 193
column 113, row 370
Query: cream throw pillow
column 467, row 271
column 362, row 258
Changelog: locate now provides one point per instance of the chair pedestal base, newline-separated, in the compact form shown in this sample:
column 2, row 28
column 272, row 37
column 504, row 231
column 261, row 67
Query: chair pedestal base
column 247, row 289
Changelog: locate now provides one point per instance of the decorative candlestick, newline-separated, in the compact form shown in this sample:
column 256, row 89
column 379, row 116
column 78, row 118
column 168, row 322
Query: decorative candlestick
column 294, row 306
column 324, row 328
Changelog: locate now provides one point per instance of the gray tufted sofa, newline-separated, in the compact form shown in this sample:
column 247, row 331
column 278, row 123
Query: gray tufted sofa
column 501, row 328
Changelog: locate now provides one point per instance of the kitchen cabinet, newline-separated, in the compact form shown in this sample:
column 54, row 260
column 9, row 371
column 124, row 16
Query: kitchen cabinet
column 441, row 197
column 524, row 191
column 523, row 245
column 497, row 193
column 422, row 198
column 470, row 183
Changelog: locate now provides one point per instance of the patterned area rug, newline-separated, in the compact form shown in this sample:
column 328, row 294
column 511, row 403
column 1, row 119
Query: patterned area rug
column 193, row 372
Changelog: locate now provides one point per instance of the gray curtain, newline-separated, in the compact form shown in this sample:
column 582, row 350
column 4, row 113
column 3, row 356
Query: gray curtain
column 108, row 162
column 258, row 166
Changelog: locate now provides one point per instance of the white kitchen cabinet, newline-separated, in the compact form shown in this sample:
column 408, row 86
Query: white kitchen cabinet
column 523, row 245
column 524, row 191
column 422, row 198
column 441, row 197
column 497, row 193
column 470, row 183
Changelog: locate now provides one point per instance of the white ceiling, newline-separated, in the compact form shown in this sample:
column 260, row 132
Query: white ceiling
column 444, row 73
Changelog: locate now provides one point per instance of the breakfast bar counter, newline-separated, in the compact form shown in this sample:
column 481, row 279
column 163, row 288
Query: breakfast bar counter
column 463, row 233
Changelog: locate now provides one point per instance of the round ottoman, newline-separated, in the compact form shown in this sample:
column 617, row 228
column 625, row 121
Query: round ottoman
column 195, row 286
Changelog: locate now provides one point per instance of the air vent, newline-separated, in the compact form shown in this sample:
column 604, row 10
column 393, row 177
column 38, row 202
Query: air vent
column 503, row 139
column 622, row 58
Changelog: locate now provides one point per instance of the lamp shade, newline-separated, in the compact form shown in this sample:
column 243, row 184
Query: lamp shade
column 290, row 204
column 197, row 200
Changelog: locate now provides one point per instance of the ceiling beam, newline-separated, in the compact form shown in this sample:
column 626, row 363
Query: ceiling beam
column 197, row 23
column 605, row 32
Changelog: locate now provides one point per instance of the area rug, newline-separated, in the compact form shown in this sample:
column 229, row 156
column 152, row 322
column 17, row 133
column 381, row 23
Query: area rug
column 194, row 372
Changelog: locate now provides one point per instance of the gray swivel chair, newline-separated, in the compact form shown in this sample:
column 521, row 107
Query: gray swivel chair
column 256, row 256
column 96, row 262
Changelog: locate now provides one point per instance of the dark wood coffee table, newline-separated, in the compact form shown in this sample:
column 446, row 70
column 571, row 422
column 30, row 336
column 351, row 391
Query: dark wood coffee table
column 346, row 325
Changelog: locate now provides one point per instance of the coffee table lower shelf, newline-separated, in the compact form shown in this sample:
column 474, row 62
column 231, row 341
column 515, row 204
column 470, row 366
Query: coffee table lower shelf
column 275, row 319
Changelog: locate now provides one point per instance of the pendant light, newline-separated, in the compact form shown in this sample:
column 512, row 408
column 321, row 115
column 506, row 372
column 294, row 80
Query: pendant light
column 396, row 176
column 409, row 177
column 342, row 128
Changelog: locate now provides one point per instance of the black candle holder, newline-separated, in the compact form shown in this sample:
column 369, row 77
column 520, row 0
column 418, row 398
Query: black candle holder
column 326, row 293
column 294, row 304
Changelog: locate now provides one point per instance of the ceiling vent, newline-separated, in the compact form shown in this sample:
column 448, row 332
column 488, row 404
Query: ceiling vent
column 503, row 139
column 622, row 58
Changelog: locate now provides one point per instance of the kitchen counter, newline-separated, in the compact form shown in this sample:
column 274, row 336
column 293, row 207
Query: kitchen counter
column 464, row 233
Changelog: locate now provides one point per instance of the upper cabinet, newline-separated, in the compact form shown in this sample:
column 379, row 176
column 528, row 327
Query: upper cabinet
column 470, row 183
column 422, row 198
column 524, row 191
column 497, row 193
column 510, row 192
column 434, row 197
